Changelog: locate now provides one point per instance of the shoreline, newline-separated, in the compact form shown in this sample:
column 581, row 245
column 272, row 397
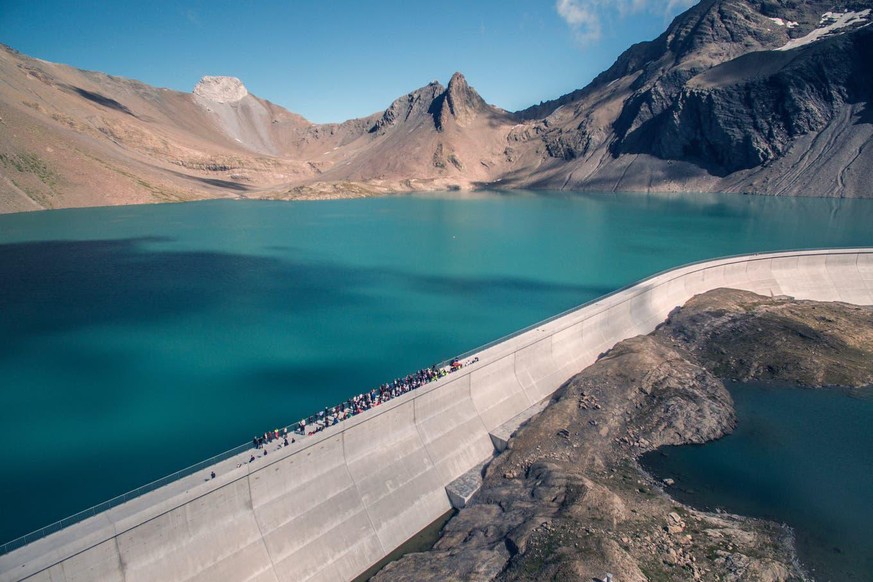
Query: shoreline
column 570, row 498
column 333, row 192
column 788, row 541
column 788, row 458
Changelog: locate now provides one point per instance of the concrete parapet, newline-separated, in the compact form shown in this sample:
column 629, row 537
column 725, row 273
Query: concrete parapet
column 495, row 391
column 396, row 479
column 462, row 489
column 335, row 503
column 500, row 436
column 451, row 429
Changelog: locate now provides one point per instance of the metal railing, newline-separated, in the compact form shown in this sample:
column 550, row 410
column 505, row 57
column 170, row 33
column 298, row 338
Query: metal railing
column 139, row 491
column 747, row 256
column 116, row 501
column 142, row 490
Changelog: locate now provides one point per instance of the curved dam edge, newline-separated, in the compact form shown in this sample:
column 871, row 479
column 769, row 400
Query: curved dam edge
column 332, row 505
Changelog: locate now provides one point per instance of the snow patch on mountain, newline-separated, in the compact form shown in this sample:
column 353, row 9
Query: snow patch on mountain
column 831, row 23
column 787, row 23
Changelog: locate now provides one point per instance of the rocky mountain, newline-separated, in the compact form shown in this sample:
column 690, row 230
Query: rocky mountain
column 79, row 138
column 763, row 96
column 739, row 96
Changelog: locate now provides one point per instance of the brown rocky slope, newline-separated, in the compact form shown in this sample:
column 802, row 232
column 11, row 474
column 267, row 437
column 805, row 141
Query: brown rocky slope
column 763, row 96
column 567, row 500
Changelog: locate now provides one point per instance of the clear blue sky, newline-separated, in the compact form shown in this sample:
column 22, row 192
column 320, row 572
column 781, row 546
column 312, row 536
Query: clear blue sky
column 331, row 60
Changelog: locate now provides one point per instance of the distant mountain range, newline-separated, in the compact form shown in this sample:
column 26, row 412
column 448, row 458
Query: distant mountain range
column 761, row 96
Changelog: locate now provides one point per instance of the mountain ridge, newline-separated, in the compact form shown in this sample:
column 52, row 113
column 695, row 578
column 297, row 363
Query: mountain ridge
column 760, row 96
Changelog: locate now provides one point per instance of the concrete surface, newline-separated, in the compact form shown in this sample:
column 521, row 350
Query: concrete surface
column 500, row 436
column 462, row 489
column 333, row 504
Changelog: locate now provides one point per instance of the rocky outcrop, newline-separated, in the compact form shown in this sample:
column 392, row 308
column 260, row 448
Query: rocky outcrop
column 415, row 104
column 457, row 104
column 730, row 88
column 567, row 501
column 460, row 103
column 221, row 89
column 740, row 335
column 748, row 111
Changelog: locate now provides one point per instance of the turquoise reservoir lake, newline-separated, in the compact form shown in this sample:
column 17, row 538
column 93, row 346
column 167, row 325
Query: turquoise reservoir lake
column 135, row 341
column 798, row 456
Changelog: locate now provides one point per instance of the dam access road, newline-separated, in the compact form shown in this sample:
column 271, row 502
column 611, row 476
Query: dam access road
column 334, row 504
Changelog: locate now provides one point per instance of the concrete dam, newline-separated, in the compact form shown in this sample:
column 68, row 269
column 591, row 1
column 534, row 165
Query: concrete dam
column 334, row 504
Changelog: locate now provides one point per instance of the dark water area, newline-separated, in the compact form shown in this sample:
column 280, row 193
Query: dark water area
column 136, row 341
column 799, row 456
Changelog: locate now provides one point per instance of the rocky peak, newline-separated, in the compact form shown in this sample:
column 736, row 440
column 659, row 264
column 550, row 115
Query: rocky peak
column 221, row 89
column 460, row 102
column 409, row 106
column 800, row 67
column 709, row 34
column 716, row 31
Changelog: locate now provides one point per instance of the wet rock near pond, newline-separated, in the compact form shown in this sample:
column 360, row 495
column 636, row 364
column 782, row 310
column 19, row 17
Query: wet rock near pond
column 744, row 336
column 567, row 500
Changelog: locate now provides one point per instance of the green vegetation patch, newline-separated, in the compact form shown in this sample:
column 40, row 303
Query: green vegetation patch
column 656, row 572
column 28, row 163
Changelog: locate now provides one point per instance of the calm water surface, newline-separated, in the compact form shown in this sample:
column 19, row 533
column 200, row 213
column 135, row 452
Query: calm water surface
column 135, row 341
column 798, row 456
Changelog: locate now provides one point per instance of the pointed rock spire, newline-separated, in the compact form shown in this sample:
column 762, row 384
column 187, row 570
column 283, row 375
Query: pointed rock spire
column 460, row 102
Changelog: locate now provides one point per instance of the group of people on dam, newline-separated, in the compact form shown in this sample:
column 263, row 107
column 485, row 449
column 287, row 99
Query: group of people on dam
column 332, row 415
column 270, row 436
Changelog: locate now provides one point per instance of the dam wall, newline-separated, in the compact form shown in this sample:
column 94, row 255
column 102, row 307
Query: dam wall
column 330, row 506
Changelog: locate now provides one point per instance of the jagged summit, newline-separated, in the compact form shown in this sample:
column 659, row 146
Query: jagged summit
column 221, row 89
column 411, row 105
column 461, row 102
column 457, row 103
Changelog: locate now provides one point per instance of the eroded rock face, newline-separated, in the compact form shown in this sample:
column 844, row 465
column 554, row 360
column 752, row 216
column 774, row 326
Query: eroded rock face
column 416, row 104
column 744, row 336
column 221, row 89
column 567, row 500
column 748, row 112
column 728, row 97
column 460, row 102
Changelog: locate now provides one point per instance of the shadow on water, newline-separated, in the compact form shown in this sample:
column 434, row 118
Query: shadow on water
column 63, row 285
column 157, row 358
column 495, row 285
column 58, row 286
